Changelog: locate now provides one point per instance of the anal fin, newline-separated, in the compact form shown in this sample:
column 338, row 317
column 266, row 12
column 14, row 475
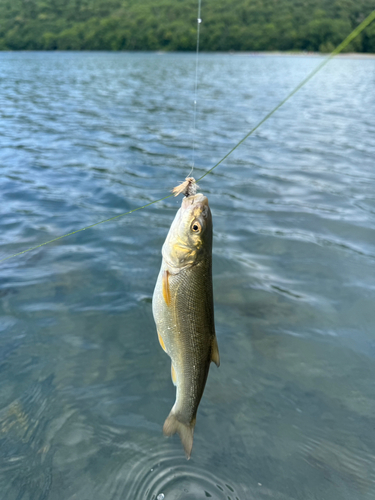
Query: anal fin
column 173, row 374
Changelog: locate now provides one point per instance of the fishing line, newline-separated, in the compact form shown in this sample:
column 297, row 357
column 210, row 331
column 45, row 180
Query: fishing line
column 84, row 228
column 199, row 20
column 337, row 50
column 334, row 53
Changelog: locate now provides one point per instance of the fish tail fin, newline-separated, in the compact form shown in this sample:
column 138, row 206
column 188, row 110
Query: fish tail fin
column 185, row 431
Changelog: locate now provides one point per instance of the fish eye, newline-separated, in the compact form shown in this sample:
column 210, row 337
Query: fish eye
column 196, row 227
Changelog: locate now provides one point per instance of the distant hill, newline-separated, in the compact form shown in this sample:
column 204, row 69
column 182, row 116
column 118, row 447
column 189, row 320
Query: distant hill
column 238, row 25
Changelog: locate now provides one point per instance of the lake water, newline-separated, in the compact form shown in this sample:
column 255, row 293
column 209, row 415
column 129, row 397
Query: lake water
column 84, row 385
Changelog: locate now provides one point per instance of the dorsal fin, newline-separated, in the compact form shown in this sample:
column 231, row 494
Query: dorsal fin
column 215, row 357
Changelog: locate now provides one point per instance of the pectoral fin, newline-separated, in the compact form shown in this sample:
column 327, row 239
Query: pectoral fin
column 161, row 341
column 215, row 357
column 165, row 288
column 173, row 373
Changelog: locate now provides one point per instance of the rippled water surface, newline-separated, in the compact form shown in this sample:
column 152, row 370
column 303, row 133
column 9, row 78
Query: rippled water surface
column 84, row 384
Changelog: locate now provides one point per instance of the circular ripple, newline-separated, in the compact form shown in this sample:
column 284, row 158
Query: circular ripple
column 172, row 477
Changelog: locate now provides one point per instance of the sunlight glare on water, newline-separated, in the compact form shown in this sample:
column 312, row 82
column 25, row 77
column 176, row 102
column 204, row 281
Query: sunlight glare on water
column 85, row 387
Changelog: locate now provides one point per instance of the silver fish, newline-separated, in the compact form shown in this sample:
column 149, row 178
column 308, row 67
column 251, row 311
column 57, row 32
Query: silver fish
column 184, row 312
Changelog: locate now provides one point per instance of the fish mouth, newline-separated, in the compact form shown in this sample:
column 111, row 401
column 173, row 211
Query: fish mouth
column 198, row 201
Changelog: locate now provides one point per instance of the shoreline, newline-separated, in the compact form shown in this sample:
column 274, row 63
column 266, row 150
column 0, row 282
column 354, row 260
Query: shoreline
column 348, row 55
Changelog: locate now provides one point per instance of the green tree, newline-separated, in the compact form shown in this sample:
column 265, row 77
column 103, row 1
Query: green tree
column 317, row 25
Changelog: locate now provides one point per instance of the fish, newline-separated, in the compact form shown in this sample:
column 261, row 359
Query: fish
column 183, row 311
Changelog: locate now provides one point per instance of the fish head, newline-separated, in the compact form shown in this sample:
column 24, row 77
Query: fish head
column 190, row 236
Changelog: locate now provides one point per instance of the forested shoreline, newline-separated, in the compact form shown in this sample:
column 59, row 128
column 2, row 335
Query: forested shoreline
column 170, row 25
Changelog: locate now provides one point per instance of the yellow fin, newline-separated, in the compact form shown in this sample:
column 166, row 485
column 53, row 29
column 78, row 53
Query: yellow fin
column 161, row 341
column 174, row 377
column 215, row 357
column 165, row 288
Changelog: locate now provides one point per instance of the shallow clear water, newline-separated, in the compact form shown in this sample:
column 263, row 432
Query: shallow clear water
column 84, row 385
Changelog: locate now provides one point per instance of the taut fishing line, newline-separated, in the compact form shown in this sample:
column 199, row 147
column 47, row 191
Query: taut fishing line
column 199, row 20
column 337, row 50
